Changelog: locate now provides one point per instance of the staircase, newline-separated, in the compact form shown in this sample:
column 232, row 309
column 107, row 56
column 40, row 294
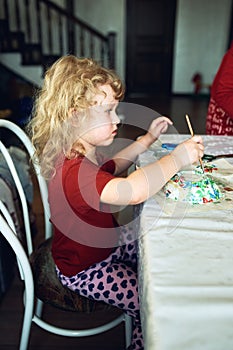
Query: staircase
column 40, row 32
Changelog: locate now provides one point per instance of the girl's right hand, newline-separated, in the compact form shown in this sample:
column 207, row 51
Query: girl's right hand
column 188, row 152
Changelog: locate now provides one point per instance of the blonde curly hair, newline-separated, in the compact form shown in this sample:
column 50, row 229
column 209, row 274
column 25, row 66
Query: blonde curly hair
column 69, row 85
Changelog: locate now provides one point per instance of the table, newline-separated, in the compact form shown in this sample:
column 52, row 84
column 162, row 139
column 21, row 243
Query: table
column 186, row 270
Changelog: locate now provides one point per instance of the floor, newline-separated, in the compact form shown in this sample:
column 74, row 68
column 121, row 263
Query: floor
column 176, row 107
column 11, row 305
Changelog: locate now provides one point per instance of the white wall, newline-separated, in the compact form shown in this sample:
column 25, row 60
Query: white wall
column 201, row 40
column 105, row 16
column 201, row 36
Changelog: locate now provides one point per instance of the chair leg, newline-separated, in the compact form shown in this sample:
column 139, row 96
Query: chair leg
column 27, row 322
column 25, row 334
column 128, row 330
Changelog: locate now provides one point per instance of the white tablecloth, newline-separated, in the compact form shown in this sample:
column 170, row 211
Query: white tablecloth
column 186, row 271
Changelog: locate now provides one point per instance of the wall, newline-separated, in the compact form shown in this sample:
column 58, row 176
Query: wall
column 105, row 16
column 201, row 39
column 201, row 36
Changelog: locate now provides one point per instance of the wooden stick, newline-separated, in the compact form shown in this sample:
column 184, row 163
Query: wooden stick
column 192, row 134
column 189, row 125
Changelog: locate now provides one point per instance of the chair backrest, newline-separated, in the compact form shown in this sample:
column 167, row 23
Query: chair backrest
column 41, row 182
column 7, row 229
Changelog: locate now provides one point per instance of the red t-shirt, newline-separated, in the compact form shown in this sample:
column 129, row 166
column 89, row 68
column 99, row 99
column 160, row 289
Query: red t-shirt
column 85, row 230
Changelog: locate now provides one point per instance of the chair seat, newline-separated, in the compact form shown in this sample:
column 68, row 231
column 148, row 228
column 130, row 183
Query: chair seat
column 49, row 289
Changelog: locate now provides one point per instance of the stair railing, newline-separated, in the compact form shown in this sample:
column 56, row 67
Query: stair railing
column 50, row 32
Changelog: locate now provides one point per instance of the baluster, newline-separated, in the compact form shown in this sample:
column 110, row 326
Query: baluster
column 70, row 33
column 49, row 31
column 39, row 34
column 82, row 50
column 3, row 37
column 102, row 51
column 74, row 39
column 61, row 46
column 6, row 10
column 111, row 49
column 17, row 15
column 91, row 46
column 28, row 23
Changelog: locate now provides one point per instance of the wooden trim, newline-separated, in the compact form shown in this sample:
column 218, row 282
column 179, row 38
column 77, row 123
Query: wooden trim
column 230, row 40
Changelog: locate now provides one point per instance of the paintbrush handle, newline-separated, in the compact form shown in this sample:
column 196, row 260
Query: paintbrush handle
column 201, row 164
column 192, row 134
column 189, row 125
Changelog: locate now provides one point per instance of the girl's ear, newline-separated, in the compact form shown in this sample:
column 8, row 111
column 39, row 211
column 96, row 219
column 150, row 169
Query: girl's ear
column 72, row 112
column 73, row 116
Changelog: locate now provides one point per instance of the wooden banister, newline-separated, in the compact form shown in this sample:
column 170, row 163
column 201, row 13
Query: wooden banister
column 53, row 31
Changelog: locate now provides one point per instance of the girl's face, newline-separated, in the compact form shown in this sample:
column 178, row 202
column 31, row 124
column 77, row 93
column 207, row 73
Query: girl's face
column 101, row 124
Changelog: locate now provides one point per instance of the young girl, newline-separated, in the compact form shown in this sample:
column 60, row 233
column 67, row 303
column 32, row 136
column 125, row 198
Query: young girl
column 74, row 113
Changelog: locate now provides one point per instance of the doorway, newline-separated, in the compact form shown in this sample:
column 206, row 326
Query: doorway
column 150, row 41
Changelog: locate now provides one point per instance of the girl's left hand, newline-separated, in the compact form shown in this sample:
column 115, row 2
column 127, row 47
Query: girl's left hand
column 158, row 127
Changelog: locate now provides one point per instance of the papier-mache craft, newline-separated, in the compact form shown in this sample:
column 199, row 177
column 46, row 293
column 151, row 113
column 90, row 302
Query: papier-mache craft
column 193, row 186
column 191, row 190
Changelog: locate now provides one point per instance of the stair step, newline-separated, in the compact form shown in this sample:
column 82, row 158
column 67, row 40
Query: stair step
column 13, row 61
column 4, row 27
column 11, row 42
column 31, row 54
column 48, row 60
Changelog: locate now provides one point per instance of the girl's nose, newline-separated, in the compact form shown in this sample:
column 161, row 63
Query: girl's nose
column 115, row 118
